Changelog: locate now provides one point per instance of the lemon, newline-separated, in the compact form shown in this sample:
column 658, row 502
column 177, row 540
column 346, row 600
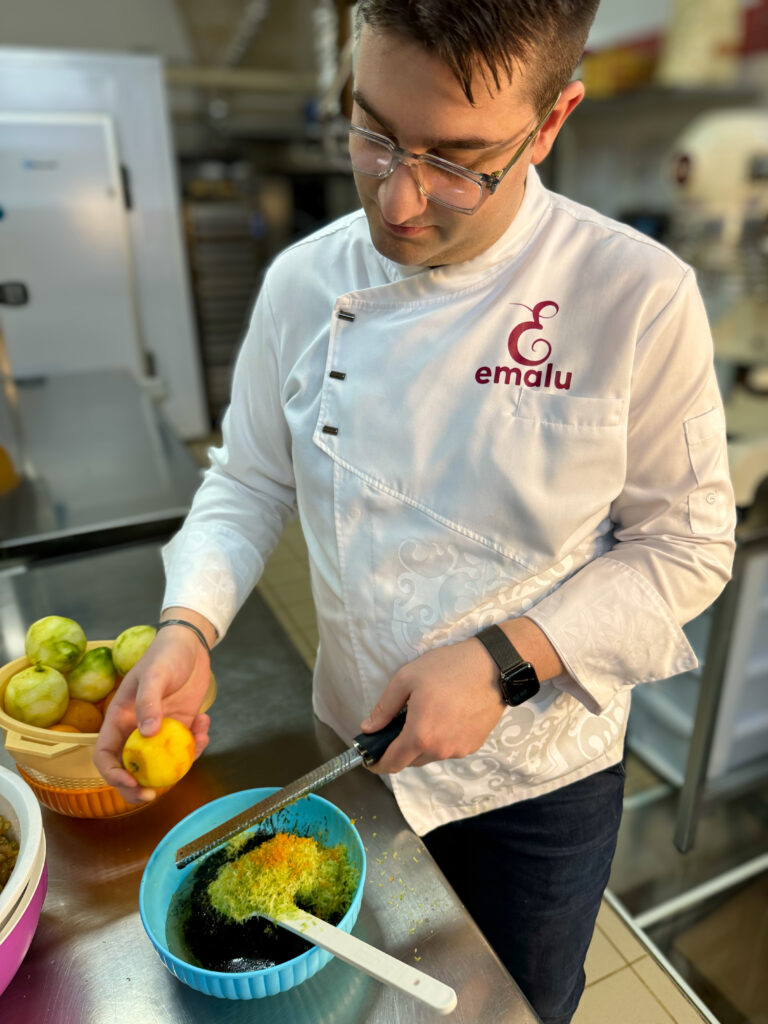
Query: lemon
column 130, row 645
column 55, row 641
column 37, row 695
column 162, row 759
column 94, row 677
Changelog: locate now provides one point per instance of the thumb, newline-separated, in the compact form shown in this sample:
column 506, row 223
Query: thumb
column 392, row 700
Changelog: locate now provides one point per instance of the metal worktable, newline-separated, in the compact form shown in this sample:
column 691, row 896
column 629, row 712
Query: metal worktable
column 101, row 467
column 91, row 962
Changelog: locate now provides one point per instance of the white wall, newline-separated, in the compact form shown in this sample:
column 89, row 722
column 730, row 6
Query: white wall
column 150, row 26
column 620, row 20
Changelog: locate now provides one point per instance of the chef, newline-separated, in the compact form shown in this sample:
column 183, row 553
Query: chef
column 496, row 414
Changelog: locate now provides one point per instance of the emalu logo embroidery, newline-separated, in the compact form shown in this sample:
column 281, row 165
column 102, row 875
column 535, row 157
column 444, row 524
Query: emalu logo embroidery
column 538, row 352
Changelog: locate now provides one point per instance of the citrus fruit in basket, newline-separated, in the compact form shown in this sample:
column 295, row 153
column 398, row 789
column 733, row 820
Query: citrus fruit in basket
column 162, row 759
column 37, row 695
column 94, row 677
column 103, row 705
column 55, row 641
column 130, row 645
column 83, row 715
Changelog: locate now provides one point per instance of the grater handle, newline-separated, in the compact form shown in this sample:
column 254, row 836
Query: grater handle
column 371, row 745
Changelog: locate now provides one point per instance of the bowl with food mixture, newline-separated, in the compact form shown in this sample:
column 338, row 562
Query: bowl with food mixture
column 21, row 836
column 23, row 878
column 204, row 920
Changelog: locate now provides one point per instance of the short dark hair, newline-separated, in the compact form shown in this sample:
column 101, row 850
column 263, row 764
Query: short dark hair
column 495, row 35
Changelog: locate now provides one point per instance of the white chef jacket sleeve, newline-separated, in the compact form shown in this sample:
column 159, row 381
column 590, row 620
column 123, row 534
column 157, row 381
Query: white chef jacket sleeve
column 616, row 622
column 247, row 494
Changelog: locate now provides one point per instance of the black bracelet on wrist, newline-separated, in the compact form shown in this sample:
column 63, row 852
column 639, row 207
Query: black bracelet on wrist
column 190, row 625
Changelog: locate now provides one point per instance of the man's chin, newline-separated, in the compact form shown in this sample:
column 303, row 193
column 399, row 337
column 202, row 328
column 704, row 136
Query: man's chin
column 410, row 252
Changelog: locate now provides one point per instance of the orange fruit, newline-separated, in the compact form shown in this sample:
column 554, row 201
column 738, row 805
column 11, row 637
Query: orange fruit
column 63, row 728
column 83, row 715
column 162, row 759
column 104, row 703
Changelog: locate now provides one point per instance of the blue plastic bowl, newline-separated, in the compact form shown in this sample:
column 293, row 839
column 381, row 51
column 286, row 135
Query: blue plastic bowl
column 310, row 816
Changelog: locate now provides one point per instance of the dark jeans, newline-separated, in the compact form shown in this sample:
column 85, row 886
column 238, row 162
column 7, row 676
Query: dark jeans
column 532, row 876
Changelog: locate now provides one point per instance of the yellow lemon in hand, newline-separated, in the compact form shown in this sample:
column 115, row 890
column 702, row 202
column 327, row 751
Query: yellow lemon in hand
column 162, row 759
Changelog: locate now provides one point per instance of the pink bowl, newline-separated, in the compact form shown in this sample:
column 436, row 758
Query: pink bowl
column 14, row 947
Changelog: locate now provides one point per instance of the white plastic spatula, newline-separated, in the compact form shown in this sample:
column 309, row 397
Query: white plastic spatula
column 373, row 961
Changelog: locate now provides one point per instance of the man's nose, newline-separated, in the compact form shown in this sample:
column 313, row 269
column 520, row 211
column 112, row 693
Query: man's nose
column 400, row 198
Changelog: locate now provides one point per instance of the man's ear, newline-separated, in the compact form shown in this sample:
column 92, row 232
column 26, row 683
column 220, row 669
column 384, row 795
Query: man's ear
column 571, row 97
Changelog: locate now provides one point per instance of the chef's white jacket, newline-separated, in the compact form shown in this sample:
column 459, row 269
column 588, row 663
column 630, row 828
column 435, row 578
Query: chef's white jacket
column 535, row 431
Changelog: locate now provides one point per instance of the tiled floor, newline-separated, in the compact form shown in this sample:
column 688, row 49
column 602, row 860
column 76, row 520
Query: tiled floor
column 625, row 983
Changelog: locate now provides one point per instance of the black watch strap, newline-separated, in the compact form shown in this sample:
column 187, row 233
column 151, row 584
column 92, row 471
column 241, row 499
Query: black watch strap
column 501, row 649
column 518, row 679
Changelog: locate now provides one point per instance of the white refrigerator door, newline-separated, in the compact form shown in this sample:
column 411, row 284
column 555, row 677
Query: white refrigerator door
column 63, row 233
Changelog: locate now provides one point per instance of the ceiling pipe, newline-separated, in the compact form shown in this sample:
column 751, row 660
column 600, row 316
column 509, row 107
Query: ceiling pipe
column 245, row 31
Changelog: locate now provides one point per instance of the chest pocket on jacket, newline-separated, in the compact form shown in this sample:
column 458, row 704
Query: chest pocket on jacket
column 564, row 410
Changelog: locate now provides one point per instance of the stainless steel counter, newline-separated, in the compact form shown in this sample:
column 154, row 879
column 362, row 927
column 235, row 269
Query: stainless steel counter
column 103, row 467
column 91, row 962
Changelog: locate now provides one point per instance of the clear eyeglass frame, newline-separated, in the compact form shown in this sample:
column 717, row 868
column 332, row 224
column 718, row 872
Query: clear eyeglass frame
column 484, row 184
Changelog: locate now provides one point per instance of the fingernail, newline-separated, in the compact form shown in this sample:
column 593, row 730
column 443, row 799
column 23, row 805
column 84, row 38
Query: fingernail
column 366, row 723
column 148, row 725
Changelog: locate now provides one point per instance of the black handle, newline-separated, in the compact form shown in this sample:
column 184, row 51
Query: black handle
column 373, row 744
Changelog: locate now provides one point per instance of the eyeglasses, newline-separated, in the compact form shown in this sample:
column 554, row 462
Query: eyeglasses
column 442, row 181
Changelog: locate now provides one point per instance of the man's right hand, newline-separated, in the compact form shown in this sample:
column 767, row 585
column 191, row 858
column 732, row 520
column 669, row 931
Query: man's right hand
column 169, row 681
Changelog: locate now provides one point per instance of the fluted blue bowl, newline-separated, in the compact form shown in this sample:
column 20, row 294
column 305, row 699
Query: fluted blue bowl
column 310, row 816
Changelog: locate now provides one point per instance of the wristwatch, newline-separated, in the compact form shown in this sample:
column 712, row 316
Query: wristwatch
column 518, row 681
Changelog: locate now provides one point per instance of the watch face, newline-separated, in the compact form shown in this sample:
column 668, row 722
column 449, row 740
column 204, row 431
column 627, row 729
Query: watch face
column 522, row 692
column 520, row 685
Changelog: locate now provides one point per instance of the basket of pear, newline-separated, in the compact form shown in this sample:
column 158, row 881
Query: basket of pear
column 52, row 704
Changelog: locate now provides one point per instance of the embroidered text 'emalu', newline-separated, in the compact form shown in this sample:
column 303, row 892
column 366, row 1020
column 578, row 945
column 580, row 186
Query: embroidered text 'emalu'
column 536, row 376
